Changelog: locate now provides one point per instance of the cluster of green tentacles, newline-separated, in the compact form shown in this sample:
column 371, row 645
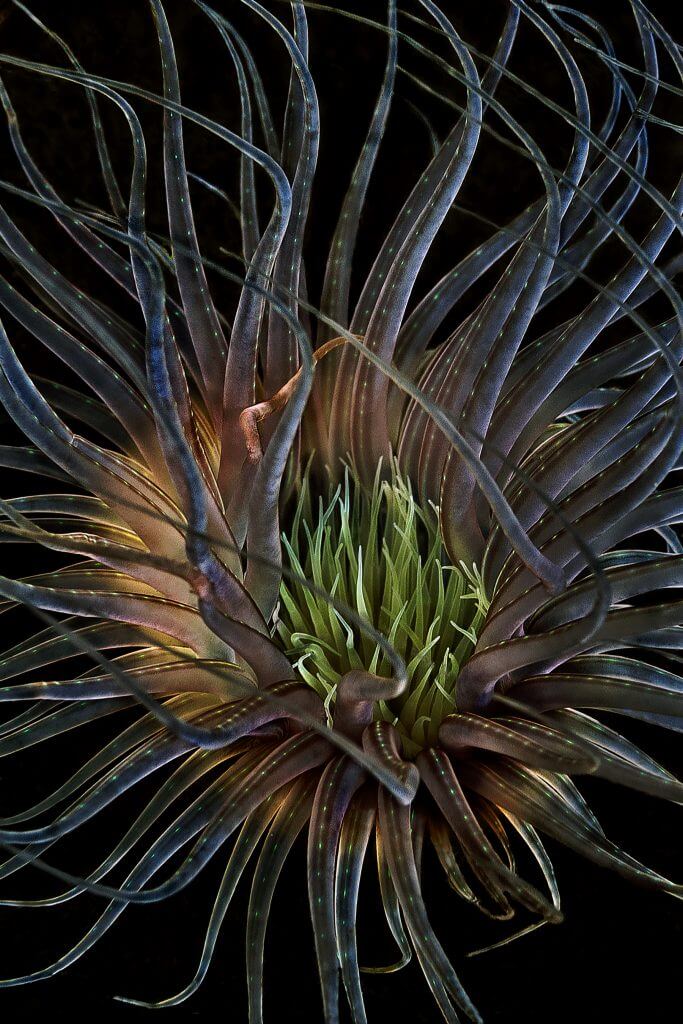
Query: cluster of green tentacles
column 382, row 555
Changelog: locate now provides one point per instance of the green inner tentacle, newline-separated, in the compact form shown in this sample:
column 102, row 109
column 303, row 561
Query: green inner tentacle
column 380, row 553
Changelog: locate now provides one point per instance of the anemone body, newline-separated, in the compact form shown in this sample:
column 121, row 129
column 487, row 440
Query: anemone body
column 352, row 565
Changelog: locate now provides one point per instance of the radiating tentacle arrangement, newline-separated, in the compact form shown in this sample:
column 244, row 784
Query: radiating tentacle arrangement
column 366, row 564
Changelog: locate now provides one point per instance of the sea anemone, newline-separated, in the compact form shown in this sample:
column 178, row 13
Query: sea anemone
column 357, row 558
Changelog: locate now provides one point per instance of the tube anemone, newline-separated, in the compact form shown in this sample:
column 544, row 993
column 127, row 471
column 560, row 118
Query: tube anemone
column 341, row 556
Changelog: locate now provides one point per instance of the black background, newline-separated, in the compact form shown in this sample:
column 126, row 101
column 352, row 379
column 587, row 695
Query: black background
column 617, row 955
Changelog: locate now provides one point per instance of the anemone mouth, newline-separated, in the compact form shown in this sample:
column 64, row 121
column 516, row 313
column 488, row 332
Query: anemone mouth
column 380, row 552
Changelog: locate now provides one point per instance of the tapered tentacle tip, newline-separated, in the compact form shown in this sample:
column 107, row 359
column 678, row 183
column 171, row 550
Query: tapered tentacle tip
column 554, row 578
